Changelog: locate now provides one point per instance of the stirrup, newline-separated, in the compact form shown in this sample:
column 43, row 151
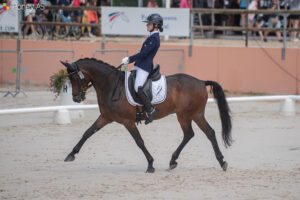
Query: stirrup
column 151, row 116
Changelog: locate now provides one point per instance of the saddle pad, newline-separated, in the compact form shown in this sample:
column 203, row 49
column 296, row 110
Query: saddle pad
column 159, row 91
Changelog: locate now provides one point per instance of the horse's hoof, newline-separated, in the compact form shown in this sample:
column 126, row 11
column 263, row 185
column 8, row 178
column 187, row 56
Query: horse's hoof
column 224, row 166
column 173, row 166
column 70, row 158
column 150, row 170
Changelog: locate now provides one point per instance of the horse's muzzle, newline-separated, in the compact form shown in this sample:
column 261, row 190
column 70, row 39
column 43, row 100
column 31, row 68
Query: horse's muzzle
column 79, row 97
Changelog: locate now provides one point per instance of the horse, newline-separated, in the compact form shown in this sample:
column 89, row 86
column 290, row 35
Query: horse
column 186, row 96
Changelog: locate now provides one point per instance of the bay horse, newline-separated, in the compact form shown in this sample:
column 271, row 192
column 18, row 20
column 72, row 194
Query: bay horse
column 186, row 96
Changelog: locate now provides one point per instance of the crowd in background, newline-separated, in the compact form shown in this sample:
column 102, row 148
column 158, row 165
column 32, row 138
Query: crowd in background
column 259, row 20
column 84, row 16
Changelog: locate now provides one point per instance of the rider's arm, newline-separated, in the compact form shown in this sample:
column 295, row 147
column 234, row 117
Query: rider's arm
column 149, row 45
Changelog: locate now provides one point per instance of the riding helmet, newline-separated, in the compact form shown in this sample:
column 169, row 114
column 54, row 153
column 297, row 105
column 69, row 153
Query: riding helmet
column 155, row 19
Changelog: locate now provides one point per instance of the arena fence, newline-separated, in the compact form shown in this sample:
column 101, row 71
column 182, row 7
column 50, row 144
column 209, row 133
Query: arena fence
column 62, row 115
column 12, row 93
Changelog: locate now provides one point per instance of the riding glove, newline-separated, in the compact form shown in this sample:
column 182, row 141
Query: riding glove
column 125, row 61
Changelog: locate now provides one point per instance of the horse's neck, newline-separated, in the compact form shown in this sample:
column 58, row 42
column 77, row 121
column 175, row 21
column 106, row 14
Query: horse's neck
column 104, row 79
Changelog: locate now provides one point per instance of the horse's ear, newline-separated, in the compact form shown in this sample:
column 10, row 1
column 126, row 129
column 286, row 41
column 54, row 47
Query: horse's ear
column 67, row 65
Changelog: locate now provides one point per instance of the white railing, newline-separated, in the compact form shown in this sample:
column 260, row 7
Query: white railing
column 287, row 107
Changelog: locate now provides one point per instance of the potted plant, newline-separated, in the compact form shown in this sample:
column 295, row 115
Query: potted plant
column 57, row 81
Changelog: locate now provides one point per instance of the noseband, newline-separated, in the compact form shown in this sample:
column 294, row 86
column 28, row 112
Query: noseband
column 81, row 81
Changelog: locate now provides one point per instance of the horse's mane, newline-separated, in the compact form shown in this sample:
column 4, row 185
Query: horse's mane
column 94, row 60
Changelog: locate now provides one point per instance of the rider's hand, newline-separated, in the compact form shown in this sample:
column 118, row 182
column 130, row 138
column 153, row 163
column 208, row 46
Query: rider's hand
column 125, row 61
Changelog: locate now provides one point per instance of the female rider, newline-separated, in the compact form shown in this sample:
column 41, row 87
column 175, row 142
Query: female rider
column 144, row 62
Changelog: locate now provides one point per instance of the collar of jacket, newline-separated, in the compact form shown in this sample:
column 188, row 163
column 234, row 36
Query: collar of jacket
column 151, row 33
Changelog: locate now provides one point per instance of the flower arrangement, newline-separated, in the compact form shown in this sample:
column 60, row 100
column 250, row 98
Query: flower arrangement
column 56, row 82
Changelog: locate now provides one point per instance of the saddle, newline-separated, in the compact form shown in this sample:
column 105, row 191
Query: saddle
column 147, row 87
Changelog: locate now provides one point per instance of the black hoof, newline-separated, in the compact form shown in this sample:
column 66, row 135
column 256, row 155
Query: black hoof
column 70, row 158
column 173, row 166
column 224, row 166
column 150, row 170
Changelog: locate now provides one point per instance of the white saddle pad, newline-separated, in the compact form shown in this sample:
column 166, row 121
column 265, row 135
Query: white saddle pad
column 159, row 90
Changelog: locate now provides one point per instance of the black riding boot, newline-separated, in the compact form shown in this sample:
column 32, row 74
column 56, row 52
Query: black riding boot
column 151, row 111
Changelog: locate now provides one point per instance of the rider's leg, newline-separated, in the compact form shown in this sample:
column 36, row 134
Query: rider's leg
column 141, row 78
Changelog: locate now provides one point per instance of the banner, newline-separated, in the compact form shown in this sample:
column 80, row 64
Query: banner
column 128, row 20
column 9, row 17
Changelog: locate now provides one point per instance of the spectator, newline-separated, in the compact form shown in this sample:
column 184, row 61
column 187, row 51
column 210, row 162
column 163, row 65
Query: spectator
column 185, row 4
column 243, row 5
column 234, row 19
column 92, row 18
column 220, row 19
column 273, row 21
column 84, row 18
column 152, row 4
column 295, row 5
column 64, row 15
column 29, row 15
column 198, row 17
column 175, row 4
column 255, row 19
column 77, row 13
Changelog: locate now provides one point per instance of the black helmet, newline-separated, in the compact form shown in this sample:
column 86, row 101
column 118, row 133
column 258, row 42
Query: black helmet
column 155, row 19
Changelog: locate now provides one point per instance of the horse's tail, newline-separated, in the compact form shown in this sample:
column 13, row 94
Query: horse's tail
column 224, row 111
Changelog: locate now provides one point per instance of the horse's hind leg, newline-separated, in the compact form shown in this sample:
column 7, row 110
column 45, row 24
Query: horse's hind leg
column 131, row 127
column 98, row 124
column 186, row 126
column 210, row 133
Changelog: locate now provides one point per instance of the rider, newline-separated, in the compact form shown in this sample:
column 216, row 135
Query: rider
column 144, row 62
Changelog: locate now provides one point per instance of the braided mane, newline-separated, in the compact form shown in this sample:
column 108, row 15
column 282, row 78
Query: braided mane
column 94, row 60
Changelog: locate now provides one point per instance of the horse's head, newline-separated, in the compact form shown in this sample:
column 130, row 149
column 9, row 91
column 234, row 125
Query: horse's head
column 79, row 80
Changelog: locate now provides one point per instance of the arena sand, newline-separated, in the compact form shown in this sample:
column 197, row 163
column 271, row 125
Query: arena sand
column 264, row 160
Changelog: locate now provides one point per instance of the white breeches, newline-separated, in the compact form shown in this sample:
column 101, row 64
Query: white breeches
column 141, row 77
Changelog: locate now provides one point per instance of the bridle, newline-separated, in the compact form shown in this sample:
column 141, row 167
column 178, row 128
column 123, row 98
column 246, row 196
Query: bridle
column 81, row 81
column 83, row 87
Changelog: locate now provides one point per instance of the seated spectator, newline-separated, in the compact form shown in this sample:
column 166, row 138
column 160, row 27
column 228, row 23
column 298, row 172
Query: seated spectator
column 254, row 20
column 152, row 4
column 29, row 15
column 185, row 4
column 84, row 17
column 233, row 19
column 92, row 17
column 64, row 15
column 243, row 5
column 77, row 13
column 175, row 3
column 273, row 21
column 295, row 5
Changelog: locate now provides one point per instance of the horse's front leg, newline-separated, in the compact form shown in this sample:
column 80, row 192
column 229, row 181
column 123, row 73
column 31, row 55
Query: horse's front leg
column 97, row 125
column 131, row 127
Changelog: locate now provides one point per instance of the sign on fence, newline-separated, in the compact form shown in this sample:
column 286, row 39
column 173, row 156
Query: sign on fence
column 8, row 17
column 128, row 20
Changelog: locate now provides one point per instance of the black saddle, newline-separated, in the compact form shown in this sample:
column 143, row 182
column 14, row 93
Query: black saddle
column 147, row 87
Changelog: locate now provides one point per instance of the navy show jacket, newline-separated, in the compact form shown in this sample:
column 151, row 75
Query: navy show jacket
column 144, row 59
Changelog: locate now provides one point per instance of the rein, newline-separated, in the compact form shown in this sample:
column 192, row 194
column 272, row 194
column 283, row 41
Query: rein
column 116, row 86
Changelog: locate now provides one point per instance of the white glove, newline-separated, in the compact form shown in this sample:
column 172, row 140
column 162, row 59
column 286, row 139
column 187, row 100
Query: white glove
column 125, row 61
